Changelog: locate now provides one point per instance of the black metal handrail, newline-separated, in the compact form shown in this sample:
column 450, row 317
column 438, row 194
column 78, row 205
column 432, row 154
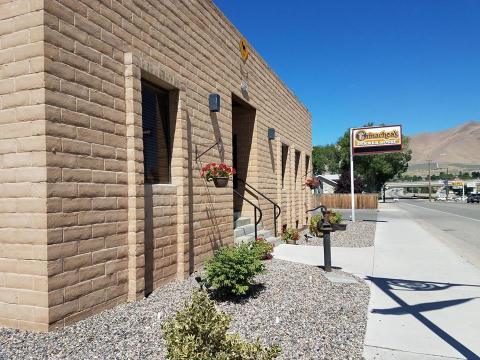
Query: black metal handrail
column 324, row 208
column 255, row 209
column 275, row 205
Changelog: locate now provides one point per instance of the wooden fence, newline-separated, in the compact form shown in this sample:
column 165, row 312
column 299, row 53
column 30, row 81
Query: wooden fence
column 342, row 201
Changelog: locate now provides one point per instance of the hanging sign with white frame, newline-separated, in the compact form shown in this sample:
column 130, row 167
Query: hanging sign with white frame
column 377, row 139
column 372, row 140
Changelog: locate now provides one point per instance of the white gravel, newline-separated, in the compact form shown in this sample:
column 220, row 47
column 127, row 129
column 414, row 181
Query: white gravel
column 298, row 308
column 358, row 234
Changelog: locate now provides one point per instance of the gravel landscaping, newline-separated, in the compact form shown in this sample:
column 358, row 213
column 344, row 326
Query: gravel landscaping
column 298, row 308
column 358, row 234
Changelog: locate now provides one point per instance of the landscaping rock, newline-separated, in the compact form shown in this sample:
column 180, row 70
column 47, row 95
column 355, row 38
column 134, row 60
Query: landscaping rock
column 358, row 234
column 295, row 307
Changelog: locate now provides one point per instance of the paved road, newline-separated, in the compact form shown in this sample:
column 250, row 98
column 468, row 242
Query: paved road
column 456, row 224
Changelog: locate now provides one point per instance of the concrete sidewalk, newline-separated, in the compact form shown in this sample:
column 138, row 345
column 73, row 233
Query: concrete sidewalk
column 425, row 299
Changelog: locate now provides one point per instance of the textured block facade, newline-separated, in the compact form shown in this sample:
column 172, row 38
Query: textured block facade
column 80, row 230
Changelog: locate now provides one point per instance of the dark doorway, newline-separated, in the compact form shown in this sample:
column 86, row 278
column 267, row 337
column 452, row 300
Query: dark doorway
column 243, row 123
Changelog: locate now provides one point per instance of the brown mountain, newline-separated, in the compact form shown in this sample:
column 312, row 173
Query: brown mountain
column 459, row 145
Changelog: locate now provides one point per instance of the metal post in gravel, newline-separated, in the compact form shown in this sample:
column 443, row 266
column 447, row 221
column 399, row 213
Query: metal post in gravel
column 327, row 254
column 325, row 227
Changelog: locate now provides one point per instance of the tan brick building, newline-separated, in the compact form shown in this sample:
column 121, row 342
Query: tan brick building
column 91, row 93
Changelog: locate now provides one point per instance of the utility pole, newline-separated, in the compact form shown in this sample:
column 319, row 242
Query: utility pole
column 447, row 186
column 352, row 177
column 429, row 180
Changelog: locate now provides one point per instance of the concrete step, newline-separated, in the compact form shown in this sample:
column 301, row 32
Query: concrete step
column 242, row 237
column 275, row 241
column 243, row 230
column 264, row 233
column 241, row 222
column 249, row 229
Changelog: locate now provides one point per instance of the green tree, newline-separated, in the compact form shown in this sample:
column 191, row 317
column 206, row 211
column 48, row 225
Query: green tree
column 374, row 170
column 325, row 158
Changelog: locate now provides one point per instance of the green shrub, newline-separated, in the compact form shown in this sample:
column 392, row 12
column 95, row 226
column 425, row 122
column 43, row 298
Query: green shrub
column 335, row 217
column 231, row 270
column 262, row 248
column 312, row 227
column 199, row 332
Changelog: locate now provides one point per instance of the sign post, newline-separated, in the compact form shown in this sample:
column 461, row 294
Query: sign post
column 372, row 140
column 352, row 184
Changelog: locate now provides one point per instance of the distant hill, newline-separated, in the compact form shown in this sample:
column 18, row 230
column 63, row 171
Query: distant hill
column 459, row 146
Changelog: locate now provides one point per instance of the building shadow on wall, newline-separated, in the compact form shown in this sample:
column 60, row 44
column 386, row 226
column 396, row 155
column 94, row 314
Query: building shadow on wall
column 218, row 136
column 194, row 168
column 215, row 236
column 148, row 238
column 191, row 252
column 272, row 155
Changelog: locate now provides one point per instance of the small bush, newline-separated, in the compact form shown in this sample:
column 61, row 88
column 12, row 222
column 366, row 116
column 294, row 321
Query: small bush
column 335, row 217
column 262, row 248
column 231, row 270
column 199, row 332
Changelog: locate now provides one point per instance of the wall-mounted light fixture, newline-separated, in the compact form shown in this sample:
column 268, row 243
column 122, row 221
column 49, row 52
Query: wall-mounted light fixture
column 244, row 87
column 214, row 102
column 271, row 134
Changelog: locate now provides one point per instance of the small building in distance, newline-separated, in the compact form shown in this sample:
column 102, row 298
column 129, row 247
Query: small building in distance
column 328, row 182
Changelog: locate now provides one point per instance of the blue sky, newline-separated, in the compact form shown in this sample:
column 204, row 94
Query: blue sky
column 411, row 62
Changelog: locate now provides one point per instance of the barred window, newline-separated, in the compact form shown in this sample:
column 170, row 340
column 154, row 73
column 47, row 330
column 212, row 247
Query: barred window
column 156, row 125
column 284, row 163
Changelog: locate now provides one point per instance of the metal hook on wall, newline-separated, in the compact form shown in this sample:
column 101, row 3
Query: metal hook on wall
column 198, row 156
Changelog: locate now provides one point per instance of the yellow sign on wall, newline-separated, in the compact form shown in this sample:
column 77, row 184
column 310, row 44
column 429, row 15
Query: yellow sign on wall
column 456, row 183
column 244, row 49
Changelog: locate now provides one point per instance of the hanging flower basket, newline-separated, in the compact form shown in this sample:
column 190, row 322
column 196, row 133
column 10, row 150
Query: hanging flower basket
column 220, row 182
column 312, row 183
column 218, row 173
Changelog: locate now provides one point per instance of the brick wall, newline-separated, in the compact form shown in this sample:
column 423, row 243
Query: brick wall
column 160, row 235
column 71, row 149
column 23, row 222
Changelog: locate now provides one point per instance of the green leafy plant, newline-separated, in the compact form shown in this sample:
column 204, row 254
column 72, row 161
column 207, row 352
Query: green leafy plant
column 335, row 217
column 231, row 270
column 290, row 235
column 312, row 227
column 199, row 332
column 262, row 248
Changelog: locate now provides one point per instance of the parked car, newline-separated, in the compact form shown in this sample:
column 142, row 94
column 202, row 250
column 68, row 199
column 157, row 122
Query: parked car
column 473, row 198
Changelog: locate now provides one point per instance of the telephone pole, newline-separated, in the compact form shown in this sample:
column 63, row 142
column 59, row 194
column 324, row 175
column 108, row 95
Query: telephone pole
column 429, row 180
column 447, row 186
